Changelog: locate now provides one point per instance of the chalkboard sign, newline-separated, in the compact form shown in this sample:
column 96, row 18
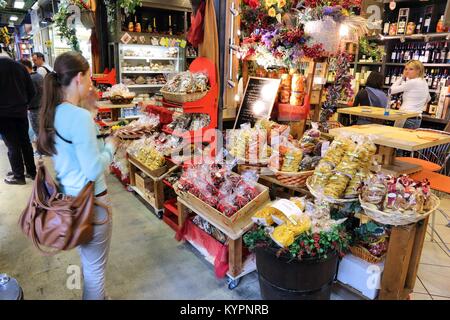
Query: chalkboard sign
column 259, row 97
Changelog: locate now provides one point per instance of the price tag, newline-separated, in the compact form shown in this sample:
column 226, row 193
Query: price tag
column 324, row 149
column 288, row 208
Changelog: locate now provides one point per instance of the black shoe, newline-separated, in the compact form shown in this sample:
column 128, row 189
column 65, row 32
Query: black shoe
column 29, row 176
column 13, row 180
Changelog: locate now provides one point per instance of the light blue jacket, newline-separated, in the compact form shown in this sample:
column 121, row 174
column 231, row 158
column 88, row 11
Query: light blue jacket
column 86, row 158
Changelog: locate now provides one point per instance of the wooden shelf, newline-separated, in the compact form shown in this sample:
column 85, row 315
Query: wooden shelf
column 149, row 58
column 136, row 86
column 416, row 36
column 147, row 72
column 430, row 65
column 370, row 63
column 436, row 120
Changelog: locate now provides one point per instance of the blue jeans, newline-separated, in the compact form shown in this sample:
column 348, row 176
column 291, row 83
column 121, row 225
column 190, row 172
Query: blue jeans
column 413, row 123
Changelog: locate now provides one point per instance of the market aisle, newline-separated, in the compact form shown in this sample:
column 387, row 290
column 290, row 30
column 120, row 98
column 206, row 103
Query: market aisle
column 145, row 260
column 147, row 263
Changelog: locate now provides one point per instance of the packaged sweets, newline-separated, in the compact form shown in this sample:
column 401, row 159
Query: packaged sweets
column 291, row 160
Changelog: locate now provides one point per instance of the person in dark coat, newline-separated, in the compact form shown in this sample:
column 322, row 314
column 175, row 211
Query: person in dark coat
column 17, row 92
column 38, row 82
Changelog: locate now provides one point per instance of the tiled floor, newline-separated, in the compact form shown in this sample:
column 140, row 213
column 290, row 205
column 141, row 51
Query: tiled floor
column 147, row 263
column 434, row 271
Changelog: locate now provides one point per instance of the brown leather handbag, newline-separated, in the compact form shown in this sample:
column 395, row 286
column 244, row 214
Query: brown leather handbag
column 55, row 220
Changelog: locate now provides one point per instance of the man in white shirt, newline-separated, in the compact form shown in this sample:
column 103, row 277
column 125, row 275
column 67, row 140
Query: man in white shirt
column 39, row 63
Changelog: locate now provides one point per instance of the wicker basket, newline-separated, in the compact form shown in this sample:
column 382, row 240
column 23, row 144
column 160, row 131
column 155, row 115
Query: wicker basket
column 320, row 195
column 397, row 218
column 364, row 254
column 121, row 100
column 183, row 97
column 294, row 179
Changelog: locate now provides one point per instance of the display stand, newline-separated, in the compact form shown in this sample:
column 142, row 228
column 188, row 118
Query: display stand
column 237, row 267
column 206, row 105
column 155, row 196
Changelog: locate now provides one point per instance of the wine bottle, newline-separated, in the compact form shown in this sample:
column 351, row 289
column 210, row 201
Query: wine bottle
column 401, row 55
column 444, row 52
column 394, row 55
column 447, row 60
column 170, row 25
column 387, row 78
column 419, row 26
column 416, row 53
column 427, row 23
column 407, row 55
column 430, row 78
column 435, row 82
column 426, row 57
column 155, row 29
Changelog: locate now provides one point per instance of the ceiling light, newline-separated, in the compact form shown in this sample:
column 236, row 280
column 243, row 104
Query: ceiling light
column 13, row 18
column 19, row 4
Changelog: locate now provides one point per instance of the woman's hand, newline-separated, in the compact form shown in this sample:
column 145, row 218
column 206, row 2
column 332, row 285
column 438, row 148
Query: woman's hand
column 114, row 141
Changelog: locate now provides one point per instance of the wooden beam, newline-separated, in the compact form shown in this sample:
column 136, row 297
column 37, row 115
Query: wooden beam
column 419, row 239
column 235, row 256
column 397, row 261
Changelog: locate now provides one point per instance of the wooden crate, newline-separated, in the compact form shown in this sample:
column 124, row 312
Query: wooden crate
column 155, row 174
column 229, row 223
column 143, row 183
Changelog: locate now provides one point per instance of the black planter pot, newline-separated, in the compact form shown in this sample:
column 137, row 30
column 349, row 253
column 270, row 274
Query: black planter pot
column 282, row 279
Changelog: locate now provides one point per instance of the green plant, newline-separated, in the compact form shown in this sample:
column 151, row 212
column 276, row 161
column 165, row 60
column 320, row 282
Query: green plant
column 130, row 6
column 3, row 3
column 307, row 245
column 371, row 49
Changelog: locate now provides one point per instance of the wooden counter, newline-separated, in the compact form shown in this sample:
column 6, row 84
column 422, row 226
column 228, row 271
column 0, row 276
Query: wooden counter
column 390, row 138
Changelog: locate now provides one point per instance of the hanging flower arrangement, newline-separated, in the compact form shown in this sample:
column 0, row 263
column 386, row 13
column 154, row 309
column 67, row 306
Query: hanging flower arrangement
column 263, row 14
column 340, row 88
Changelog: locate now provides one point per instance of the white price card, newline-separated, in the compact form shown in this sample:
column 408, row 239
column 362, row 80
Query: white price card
column 288, row 208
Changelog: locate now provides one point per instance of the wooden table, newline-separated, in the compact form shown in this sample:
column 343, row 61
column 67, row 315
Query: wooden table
column 390, row 138
column 397, row 116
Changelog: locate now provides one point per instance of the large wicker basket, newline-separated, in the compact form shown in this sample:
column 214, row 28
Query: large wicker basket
column 397, row 218
column 364, row 254
column 294, row 179
column 319, row 195
column 183, row 97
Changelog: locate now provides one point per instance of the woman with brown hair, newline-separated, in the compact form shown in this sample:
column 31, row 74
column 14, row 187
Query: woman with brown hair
column 67, row 132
